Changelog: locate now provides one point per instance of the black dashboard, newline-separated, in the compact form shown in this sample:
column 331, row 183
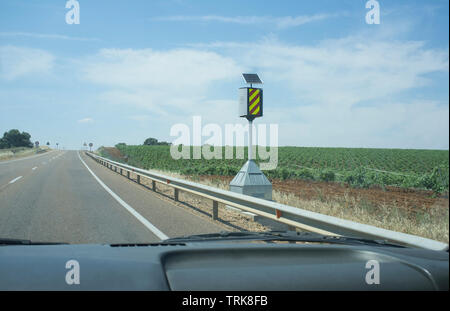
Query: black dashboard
column 221, row 266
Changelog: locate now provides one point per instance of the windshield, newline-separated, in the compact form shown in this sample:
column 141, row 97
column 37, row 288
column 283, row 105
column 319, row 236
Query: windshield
column 135, row 122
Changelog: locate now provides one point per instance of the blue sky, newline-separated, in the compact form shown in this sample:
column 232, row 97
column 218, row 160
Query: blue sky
column 132, row 69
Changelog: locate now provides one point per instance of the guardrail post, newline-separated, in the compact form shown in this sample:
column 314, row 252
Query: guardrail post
column 215, row 210
column 138, row 179
column 175, row 194
column 153, row 185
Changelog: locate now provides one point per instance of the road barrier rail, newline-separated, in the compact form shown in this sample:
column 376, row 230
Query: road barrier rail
column 291, row 216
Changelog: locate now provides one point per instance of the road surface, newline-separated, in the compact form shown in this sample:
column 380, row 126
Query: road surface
column 65, row 196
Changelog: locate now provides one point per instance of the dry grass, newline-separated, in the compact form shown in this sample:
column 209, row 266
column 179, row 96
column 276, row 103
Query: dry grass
column 432, row 223
column 8, row 154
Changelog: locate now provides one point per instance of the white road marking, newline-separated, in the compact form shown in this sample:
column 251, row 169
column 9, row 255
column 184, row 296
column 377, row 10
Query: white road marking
column 34, row 168
column 15, row 179
column 139, row 217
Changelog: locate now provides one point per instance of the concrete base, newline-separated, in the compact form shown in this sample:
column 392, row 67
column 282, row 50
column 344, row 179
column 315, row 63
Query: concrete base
column 249, row 215
column 251, row 181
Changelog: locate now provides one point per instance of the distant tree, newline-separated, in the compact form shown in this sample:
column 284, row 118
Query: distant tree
column 48, row 143
column 150, row 142
column 3, row 144
column 154, row 142
column 14, row 138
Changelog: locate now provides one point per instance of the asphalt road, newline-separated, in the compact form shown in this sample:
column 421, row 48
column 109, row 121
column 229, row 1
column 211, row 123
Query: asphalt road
column 64, row 196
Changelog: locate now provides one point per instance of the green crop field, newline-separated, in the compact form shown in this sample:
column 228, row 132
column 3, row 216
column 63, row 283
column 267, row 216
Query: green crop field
column 358, row 167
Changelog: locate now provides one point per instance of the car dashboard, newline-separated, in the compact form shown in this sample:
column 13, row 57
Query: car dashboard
column 217, row 266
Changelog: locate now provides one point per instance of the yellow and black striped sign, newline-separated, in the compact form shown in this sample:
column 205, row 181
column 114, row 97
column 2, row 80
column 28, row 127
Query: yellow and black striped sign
column 255, row 102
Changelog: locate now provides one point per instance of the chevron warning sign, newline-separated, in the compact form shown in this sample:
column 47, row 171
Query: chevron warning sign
column 254, row 101
column 250, row 102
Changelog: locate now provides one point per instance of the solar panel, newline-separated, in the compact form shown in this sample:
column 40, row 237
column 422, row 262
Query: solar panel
column 252, row 78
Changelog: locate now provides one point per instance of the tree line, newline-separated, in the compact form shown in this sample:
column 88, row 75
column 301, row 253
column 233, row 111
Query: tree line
column 15, row 138
column 149, row 142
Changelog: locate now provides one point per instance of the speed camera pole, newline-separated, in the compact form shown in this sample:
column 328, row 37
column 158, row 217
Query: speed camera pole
column 250, row 139
column 250, row 180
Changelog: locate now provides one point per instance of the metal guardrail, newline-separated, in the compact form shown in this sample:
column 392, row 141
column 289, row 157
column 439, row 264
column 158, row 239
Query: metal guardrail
column 292, row 216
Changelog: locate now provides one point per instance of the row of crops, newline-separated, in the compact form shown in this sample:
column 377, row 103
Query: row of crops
column 422, row 169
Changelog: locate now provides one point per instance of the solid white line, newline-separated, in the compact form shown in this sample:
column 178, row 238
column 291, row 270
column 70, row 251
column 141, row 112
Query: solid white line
column 139, row 217
column 15, row 179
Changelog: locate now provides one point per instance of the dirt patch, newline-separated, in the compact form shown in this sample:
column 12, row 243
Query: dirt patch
column 114, row 153
column 410, row 199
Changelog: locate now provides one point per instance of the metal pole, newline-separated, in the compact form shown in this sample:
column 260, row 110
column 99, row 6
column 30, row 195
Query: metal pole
column 215, row 211
column 250, row 138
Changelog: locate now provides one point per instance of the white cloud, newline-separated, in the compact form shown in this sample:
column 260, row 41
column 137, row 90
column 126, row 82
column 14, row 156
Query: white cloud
column 158, row 80
column 86, row 120
column 44, row 36
column 288, row 21
column 352, row 92
column 16, row 62
column 417, row 124
column 345, row 71
column 344, row 92
column 140, row 118
column 279, row 22
column 187, row 68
